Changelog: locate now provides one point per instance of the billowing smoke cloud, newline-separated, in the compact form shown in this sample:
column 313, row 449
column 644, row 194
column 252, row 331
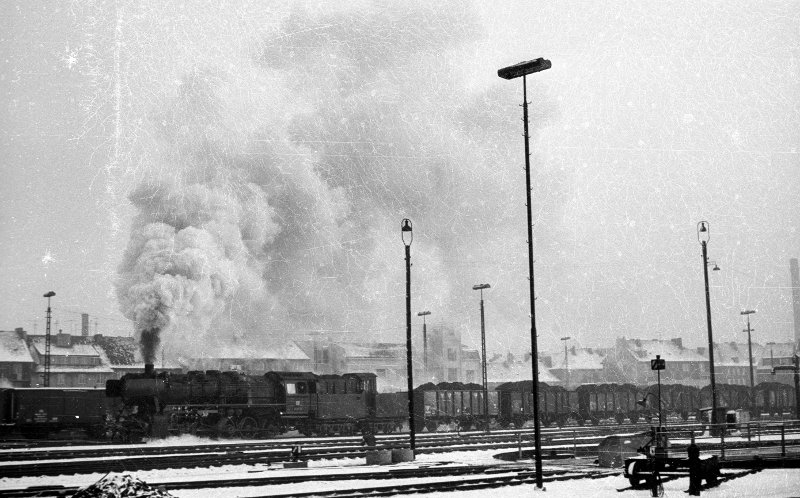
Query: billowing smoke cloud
column 279, row 164
column 191, row 249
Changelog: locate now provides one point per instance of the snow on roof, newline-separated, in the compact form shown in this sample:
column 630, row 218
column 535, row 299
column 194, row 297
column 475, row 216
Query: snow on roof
column 285, row 351
column 377, row 350
column 505, row 371
column 13, row 348
column 119, row 351
column 733, row 354
column 580, row 359
column 78, row 349
column 75, row 369
column 647, row 349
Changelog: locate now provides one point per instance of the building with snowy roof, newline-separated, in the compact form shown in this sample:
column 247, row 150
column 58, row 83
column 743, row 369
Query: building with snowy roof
column 773, row 354
column 281, row 357
column 74, row 362
column 16, row 363
column 629, row 362
column 501, row 369
column 579, row 366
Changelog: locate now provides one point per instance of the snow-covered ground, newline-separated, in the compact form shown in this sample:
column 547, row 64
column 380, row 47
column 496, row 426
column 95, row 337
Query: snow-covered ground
column 768, row 483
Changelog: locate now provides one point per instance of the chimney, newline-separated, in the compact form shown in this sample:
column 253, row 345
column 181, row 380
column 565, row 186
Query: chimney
column 149, row 368
column 21, row 333
column 85, row 324
column 63, row 340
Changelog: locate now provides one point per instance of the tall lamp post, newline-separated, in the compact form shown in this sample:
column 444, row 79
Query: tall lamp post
column 480, row 287
column 511, row 72
column 46, row 375
column 703, row 235
column 423, row 314
column 566, row 359
column 750, row 354
column 407, row 234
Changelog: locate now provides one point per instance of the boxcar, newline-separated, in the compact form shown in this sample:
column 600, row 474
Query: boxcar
column 41, row 411
column 453, row 404
column 556, row 404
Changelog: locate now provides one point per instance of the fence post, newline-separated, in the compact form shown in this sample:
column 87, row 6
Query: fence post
column 574, row 445
column 783, row 441
column 722, row 441
column 519, row 446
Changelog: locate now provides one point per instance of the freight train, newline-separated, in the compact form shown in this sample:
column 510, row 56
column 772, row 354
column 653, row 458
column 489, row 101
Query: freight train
column 593, row 403
column 230, row 404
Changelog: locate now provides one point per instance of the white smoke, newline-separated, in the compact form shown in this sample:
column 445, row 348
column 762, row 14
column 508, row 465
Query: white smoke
column 190, row 251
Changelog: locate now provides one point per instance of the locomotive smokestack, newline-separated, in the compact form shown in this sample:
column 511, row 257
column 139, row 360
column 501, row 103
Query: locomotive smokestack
column 148, row 342
column 148, row 368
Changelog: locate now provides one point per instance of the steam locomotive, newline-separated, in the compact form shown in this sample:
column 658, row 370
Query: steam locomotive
column 238, row 405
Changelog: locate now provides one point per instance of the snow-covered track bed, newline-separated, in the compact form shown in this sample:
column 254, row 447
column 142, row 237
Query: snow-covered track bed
column 404, row 480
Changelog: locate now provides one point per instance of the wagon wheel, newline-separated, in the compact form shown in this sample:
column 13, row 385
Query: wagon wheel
column 270, row 429
column 248, row 427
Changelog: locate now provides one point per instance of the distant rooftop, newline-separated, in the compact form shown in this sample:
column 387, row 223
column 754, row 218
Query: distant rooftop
column 13, row 348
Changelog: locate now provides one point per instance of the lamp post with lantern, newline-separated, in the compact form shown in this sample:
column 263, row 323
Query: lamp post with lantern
column 407, row 234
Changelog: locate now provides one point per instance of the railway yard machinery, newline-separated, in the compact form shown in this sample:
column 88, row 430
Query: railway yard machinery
column 656, row 459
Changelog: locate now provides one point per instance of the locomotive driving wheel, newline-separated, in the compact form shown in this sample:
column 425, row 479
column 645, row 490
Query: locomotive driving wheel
column 248, row 427
column 227, row 428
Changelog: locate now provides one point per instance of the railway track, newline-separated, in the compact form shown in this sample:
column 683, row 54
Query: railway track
column 435, row 479
column 200, row 457
column 40, row 450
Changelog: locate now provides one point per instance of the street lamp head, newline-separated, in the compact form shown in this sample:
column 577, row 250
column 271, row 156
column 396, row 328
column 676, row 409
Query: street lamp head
column 423, row 313
column 703, row 234
column 523, row 68
column 481, row 286
column 716, row 267
column 406, row 231
column 566, row 338
column 747, row 312
column 50, row 294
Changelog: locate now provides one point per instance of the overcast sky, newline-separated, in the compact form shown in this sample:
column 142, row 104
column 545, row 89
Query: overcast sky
column 236, row 172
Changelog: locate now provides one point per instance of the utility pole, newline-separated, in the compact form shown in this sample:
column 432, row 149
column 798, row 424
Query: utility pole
column 46, row 376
